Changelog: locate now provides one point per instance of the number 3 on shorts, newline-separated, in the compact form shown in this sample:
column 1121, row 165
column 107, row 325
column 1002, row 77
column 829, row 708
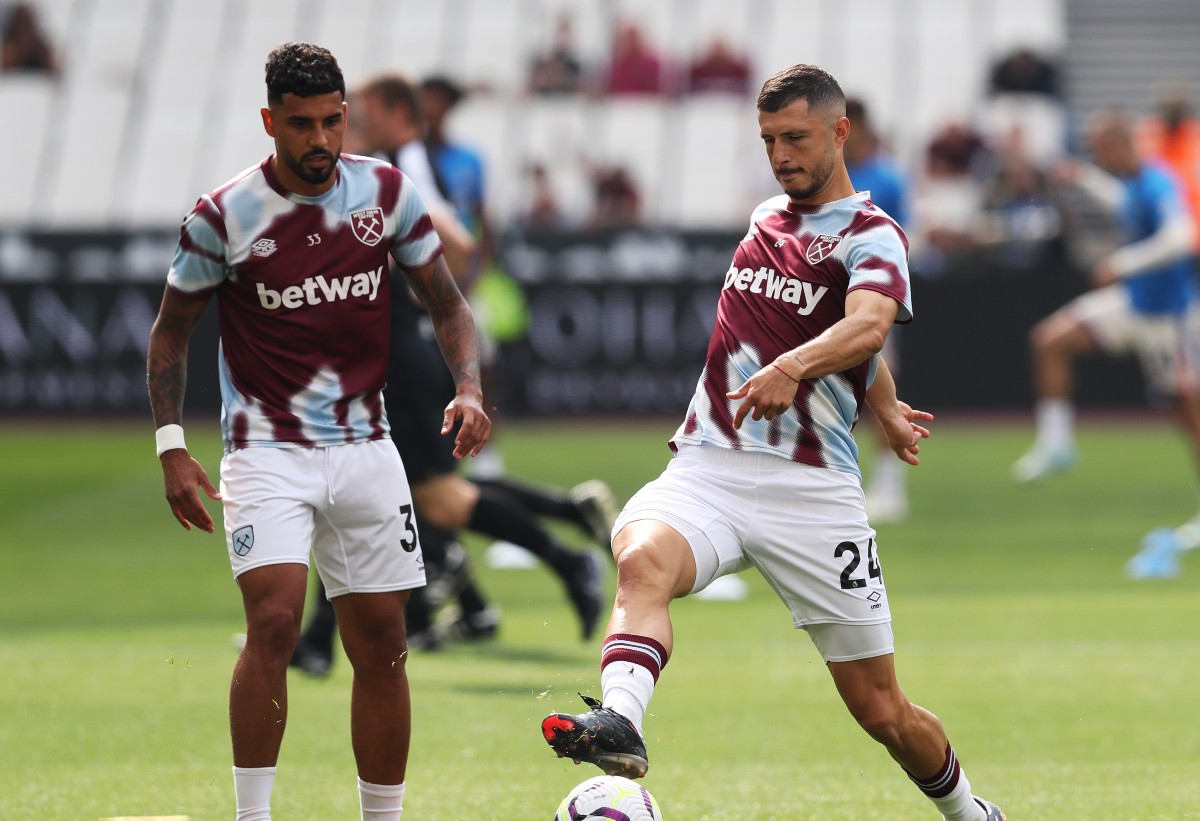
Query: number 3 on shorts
column 409, row 542
column 849, row 582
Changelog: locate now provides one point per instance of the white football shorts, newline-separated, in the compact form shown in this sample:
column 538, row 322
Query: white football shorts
column 1167, row 346
column 348, row 504
column 804, row 528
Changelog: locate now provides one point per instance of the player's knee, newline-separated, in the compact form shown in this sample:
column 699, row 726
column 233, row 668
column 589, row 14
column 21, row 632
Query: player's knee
column 641, row 566
column 272, row 631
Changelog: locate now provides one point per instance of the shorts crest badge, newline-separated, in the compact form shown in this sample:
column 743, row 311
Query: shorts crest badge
column 243, row 540
column 821, row 247
column 367, row 225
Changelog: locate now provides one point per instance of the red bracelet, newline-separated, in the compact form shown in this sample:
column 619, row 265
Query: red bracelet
column 785, row 373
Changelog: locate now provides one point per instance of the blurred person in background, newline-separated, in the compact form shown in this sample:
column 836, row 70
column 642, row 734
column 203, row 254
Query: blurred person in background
column 1171, row 135
column 634, row 66
column 1144, row 302
column 871, row 170
column 719, row 69
column 24, row 46
column 558, row 70
column 765, row 469
column 616, row 201
column 387, row 121
column 307, row 464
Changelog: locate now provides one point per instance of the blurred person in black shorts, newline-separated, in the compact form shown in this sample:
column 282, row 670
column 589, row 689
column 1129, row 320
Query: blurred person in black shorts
column 387, row 118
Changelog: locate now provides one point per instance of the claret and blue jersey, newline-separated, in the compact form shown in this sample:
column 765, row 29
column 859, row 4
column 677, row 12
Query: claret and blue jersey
column 786, row 285
column 303, row 294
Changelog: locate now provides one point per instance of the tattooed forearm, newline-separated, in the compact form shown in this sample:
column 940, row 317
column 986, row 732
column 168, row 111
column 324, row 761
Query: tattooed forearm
column 452, row 320
column 166, row 358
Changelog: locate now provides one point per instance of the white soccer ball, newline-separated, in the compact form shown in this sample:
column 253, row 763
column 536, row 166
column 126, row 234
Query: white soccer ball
column 608, row 798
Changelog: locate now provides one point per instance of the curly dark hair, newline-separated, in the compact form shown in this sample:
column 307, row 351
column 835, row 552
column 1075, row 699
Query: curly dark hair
column 303, row 69
column 802, row 82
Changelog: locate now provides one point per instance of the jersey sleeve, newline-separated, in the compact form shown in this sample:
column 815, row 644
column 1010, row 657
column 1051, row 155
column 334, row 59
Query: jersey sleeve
column 200, row 263
column 1166, row 198
column 877, row 259
column 415, row 243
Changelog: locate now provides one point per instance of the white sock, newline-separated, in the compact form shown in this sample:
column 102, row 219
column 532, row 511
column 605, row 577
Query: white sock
column 627, row 689
column 960, row 805
column 887, row 474
column 950, row 791
column 252, row 789
column 1188, row 533
column 1055, row 424
column 380, row 802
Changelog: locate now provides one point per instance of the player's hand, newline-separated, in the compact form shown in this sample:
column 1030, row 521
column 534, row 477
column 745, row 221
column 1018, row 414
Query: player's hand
column 767, row 394
column 182, row 475
column 903, row 433
column 475, row 429
column 1105, row 273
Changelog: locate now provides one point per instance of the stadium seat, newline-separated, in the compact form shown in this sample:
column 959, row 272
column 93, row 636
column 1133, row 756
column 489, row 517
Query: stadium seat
column 491, row 46
column 717, row 143
column 632, row 134
column 28, row 98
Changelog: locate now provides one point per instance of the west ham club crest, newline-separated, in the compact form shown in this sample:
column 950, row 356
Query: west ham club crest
column 821, row 247
column 367, row 225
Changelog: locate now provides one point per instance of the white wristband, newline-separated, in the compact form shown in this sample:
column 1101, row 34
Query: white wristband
column 169, row 437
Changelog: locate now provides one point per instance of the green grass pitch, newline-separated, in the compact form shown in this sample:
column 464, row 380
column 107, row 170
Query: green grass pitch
column 1069, row 691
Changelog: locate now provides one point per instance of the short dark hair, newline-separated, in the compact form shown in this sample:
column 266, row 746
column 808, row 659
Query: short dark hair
column 802, row 82
column 443, row 85
column 303, row 69
column 395, row 90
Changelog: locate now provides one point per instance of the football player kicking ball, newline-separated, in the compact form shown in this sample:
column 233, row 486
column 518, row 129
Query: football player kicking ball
column 766, row 470
column 296, row 251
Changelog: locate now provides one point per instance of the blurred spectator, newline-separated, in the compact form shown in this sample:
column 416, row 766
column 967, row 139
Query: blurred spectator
column 1171, row 135
column 616, row 198
column 719, row 70
column 25, row 46
column 872, row 170
column 1020, row 214
column 459, row 169
column 948, row 202
column 635, row 68
column 541, row 208
column 558, row 70
column 1025, row 72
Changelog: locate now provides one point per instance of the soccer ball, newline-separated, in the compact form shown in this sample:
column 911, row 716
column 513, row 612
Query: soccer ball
column 608, row 798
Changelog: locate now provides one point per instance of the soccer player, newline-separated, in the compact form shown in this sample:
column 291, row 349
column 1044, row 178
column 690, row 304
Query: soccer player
column 873, row 171
column 296, row 251
column 1144, row 302
column 765, row 470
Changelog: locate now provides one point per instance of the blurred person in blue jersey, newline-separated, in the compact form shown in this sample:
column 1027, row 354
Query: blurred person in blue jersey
column 765, row 469
column 297, row 252
column 387, row 122
column 1144, row 302
column 872, row 170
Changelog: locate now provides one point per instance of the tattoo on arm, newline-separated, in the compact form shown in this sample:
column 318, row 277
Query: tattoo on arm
column 455, row 326
column 166, row 357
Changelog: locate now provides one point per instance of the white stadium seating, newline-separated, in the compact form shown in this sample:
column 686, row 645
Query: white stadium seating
column 158, row 101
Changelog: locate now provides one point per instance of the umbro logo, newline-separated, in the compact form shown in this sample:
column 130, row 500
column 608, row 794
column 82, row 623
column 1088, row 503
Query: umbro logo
column 264, row 248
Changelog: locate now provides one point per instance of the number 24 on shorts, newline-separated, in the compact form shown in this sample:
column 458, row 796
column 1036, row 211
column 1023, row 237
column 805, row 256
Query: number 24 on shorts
column 848, row 578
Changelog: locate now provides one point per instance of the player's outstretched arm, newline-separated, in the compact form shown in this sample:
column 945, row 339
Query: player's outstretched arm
column 166, row 379
column 846, row 343
column 897, row 419
column 454, row 326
